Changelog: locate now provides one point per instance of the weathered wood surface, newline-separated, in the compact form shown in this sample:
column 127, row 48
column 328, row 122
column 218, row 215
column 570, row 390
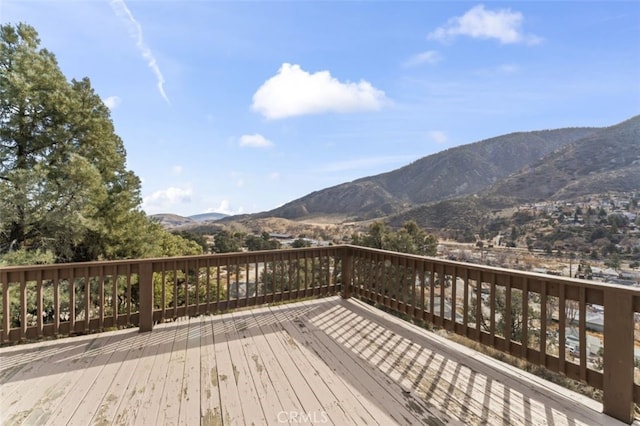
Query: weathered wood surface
column 327, row 361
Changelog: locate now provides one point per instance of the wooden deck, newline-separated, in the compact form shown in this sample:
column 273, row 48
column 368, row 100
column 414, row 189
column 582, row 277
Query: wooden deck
column 326, row 361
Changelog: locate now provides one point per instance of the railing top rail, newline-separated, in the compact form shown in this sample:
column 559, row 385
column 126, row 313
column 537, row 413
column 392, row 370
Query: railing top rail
column 336, row 249
column 239, row 254
column 513, row 272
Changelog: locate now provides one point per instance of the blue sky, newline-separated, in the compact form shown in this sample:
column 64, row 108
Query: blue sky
column 239, row 107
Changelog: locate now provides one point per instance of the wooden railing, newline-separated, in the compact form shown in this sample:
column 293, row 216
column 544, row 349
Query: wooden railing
column 530, row 316
column 555, row 322
column 67, row 299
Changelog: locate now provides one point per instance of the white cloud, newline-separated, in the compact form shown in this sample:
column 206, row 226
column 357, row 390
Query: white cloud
column 224, row 207
column 428, row 57
column 112, row 102
column 255, row 141
column 176, row 170
column 121, row 9
column 502, row 24
column 164, row 200
column 438, row 136
column 294, row 91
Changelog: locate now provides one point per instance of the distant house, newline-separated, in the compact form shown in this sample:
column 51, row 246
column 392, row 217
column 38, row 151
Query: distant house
column 280, row 236
column 572, row 342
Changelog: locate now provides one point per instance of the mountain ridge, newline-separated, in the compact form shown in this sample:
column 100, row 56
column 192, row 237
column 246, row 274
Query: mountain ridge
column 452, row 173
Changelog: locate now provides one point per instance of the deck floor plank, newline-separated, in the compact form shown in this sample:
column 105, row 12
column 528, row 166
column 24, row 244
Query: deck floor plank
column 293, row 374
column 33, row 373
column 111, row 383
column 249, row 397
column 170, row 402
column 311, row 371
column 210, row 408
column 347, row 399
column 133, row 394
column 117, row 392
column 392, row 355
column 392, row 399
column 65, row 400
column 262, row 383
column 277, row 379
column 149, row 411
column 355, row 395
column 190, row 392
column 229, row 397
column 324, row 361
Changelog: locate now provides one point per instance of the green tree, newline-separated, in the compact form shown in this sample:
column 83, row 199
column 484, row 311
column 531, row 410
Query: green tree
column 64, row 186
column 227, row 242
column 396, row 281
column 408, row 239
column 263, row 242
column 614, row 261
column 300, row 243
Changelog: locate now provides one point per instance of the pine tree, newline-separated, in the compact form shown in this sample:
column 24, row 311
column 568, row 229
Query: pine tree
column 64, row 186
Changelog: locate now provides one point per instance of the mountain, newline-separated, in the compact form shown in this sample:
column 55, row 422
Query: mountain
column 608, row 160
column 206, row 217
column 169, row 220
column 449, row 174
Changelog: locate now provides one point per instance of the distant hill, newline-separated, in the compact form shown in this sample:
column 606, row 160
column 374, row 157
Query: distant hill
column 449, row 174
column 170, row 220
column 205, row 217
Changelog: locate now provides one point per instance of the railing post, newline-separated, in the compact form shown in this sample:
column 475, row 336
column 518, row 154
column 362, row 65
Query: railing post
column 617, row 382
column 347, row 272
column 146, row 296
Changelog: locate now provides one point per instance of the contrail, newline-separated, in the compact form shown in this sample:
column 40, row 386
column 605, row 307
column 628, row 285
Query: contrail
column 121, row 9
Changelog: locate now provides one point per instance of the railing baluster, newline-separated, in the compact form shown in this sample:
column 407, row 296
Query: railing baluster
column 432, row 291
column 218, row 285
column 507, row 315
column 582, row 331
column 56, row 302
column 175, row 289
column 39, row 304
column 478, row 307
column 101, row 298
column 442, row 277
column 543, row 323
column 492, row 310
column 6, row 307
column 23, row 306
column 163, row 291
column 114, row 295
column 422, row 289
column 454, row 295
column 414, row 276
column 562, row 324
column 129, row 290
column 465, row 304
column 525, row 319
column 208, row 281
column 87, row 299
